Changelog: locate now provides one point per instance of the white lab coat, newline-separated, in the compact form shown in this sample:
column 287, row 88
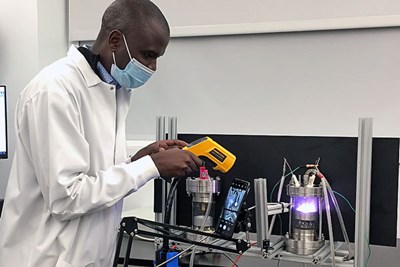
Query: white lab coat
column 69, row 176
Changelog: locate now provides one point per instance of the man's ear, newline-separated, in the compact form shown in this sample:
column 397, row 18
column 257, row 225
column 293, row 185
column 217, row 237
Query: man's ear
column 115, row 39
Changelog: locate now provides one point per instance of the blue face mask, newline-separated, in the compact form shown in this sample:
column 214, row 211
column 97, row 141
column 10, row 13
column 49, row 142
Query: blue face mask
column 135, row 73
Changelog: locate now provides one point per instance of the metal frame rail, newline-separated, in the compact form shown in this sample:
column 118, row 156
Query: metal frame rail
column 130, row 225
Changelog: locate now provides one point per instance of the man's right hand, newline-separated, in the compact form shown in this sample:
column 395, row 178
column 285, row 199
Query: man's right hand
column 176, row 162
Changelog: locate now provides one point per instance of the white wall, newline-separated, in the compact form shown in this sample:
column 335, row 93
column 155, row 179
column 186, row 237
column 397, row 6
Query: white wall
column 52, row 20
column 210, row 17
column 308, row 83
column 32, row 34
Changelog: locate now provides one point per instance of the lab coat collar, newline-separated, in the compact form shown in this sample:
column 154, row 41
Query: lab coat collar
column 80, row 61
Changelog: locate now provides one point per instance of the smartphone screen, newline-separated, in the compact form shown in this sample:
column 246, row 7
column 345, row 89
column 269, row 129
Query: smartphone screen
column 233, row 203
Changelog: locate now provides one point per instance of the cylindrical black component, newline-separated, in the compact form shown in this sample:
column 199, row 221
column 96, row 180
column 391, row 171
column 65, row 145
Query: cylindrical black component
column 158, row 193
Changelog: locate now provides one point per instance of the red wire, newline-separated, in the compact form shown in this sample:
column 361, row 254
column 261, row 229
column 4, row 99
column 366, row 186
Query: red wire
column 238, row 257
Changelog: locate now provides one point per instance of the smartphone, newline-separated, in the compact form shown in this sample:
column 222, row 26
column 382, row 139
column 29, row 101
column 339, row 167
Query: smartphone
column 233, row 203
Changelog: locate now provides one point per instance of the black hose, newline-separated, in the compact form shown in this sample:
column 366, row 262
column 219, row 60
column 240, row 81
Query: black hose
column 168, row 207
column 170, row 198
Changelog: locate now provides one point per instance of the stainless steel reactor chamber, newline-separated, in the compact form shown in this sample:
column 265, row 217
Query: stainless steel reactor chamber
column 305, row 220
column 203, row 190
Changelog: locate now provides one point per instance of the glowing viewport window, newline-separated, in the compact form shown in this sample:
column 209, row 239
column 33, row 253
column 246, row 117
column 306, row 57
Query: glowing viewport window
column 306, row 204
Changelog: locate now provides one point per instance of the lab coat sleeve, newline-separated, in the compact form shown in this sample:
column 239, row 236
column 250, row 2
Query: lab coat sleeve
column 52, row 128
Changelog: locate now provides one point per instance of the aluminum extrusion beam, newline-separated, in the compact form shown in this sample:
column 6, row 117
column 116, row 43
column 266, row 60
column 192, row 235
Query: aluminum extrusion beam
column 261, row 198
column 160, row 192
column 364, row 162
column 172, row 128
column 172, row 134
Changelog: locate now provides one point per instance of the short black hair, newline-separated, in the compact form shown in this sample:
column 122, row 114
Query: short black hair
column 131, row 15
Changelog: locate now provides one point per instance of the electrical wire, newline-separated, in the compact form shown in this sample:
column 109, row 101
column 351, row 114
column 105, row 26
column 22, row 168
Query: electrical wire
column 279, row 216
column 290, row 173
column 237, row 259
column 369, row 251
column 278, row 198
column 335, row 192
column 328, row 219
column 168, row 208
column 272, row 192
column 157, row 228
column 273, row 189
column 340, row 217
column 353, row 209
column 240, row 255
column 208, row 210
column 230, row 259
column 148, row 239
column 345, row 199
column 180, row 253
column 170, row 199
column 160, row 229
column 317, row 161
column 280, row 182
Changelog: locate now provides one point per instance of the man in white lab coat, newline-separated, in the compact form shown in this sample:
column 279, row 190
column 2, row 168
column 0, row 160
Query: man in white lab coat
column 70, row 173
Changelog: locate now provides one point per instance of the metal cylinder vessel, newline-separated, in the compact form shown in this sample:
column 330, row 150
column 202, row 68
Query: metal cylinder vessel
column 305, row 222
column 200, row 190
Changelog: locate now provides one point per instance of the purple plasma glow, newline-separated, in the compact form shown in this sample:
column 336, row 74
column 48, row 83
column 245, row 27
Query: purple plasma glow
column 306, row 204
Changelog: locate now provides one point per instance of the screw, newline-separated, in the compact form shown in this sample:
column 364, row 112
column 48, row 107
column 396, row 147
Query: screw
column 135, row 231
column 123, row 224
column 239, row 241
column 240, row 252
column 132, row 234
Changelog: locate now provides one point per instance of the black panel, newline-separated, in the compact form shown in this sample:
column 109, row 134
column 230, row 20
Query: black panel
column 262, row 156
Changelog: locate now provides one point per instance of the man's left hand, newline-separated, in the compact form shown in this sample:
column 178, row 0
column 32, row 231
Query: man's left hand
column 157, row 147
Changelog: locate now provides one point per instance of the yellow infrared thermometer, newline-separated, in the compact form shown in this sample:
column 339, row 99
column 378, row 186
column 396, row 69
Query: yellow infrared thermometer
column 209, row 149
